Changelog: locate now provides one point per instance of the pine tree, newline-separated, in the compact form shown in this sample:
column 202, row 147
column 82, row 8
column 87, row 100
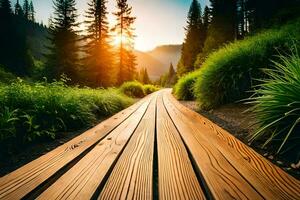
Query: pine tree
column 195, row 36
column 5, row 8
column 5, row 33
column 63, row 56
column 206, row 18
column 124, row 30
column 18, row 9
column 31, row 12
column 145, row 76
column 223, row 27
column 98, row 50
column 13, row 42
column 171, row 75
column 26, row 9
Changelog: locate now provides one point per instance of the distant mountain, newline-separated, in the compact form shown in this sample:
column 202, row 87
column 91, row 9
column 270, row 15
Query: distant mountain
column 158, row 60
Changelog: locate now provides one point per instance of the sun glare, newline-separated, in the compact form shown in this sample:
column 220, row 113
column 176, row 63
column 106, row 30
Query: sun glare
column 118, row 39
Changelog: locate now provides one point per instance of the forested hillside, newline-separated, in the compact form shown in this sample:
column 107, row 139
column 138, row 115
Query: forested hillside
column 157, row 61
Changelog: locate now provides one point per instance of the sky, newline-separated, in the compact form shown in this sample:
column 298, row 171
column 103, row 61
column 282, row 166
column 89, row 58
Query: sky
column 158, row 22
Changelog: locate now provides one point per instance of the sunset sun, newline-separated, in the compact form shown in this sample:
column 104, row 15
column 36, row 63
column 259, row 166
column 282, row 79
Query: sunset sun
column 118, row 39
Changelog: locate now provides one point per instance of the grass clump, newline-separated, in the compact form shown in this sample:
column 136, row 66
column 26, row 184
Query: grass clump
column 137, row 90
column 40, row 110
column 148, row 89
column 133, row 89
column 228, row 73
column 277, row 105
column 183, row 89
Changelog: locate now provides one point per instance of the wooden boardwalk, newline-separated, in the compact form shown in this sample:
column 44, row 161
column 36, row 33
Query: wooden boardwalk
column 155, row 149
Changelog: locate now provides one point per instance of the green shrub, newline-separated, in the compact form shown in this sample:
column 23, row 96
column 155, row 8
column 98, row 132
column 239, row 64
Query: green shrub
column 183, row 89
column 32, row 111
column 277, row 105
column 228, row 73
column 6, row 77
column 148, row 89
column 133, row 89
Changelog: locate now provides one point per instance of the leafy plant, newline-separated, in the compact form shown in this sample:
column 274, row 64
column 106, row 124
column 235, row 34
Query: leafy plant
column 8, row 119
column 277, row 104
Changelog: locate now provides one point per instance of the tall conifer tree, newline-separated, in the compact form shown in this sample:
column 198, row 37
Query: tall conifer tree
column 125, row 31
column 14, row 54
column 194, row 40
column 31, row 12
column 223, row 27
column 18, row 9
column 26, row 9
column 98, row 59
column 171, row 75
column 64, row 49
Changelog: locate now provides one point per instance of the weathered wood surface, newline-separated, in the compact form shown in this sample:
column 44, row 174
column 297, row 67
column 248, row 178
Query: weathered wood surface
column 132, row 176
column 157, row 148
column 176, row 177
column 21, row 182
column 267, row 179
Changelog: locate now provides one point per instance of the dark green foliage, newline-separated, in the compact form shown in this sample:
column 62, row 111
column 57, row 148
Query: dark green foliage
column 63, row 55
column 98, row 67
column 228, row 74
column 183, row 89
column 6, row 77
column 194, row 41
column 5, row 8
column 133, row 89
column 222, row 28
column 277, row 106
column 149, row 89
column 18, row 9
column 14, row 54
column 31, row 12
column 124, row 29
column 33, row 111
column 26, row 9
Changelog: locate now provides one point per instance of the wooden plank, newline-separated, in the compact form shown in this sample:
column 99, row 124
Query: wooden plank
column 83, row 179
column 269, row 180
column 132, row 177
column 222, row 179
column 176, row 177
column 21, row 182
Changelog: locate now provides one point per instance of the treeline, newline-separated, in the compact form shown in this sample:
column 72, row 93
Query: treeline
column 225, row 21
column 86, row 57
column 15, row 26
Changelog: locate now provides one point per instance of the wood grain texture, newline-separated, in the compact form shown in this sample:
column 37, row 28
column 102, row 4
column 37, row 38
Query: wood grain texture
column 83, row 179
column 267, row 179
column 21, row 182
column 220, row 176
column 176, row 177
column 132, row 176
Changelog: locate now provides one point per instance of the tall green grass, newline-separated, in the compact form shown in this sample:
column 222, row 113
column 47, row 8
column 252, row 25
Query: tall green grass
column 277, row 105
column 133, row 89
column 136, row 89
column 183, row 89
column 227, row 74
column 32, row 111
